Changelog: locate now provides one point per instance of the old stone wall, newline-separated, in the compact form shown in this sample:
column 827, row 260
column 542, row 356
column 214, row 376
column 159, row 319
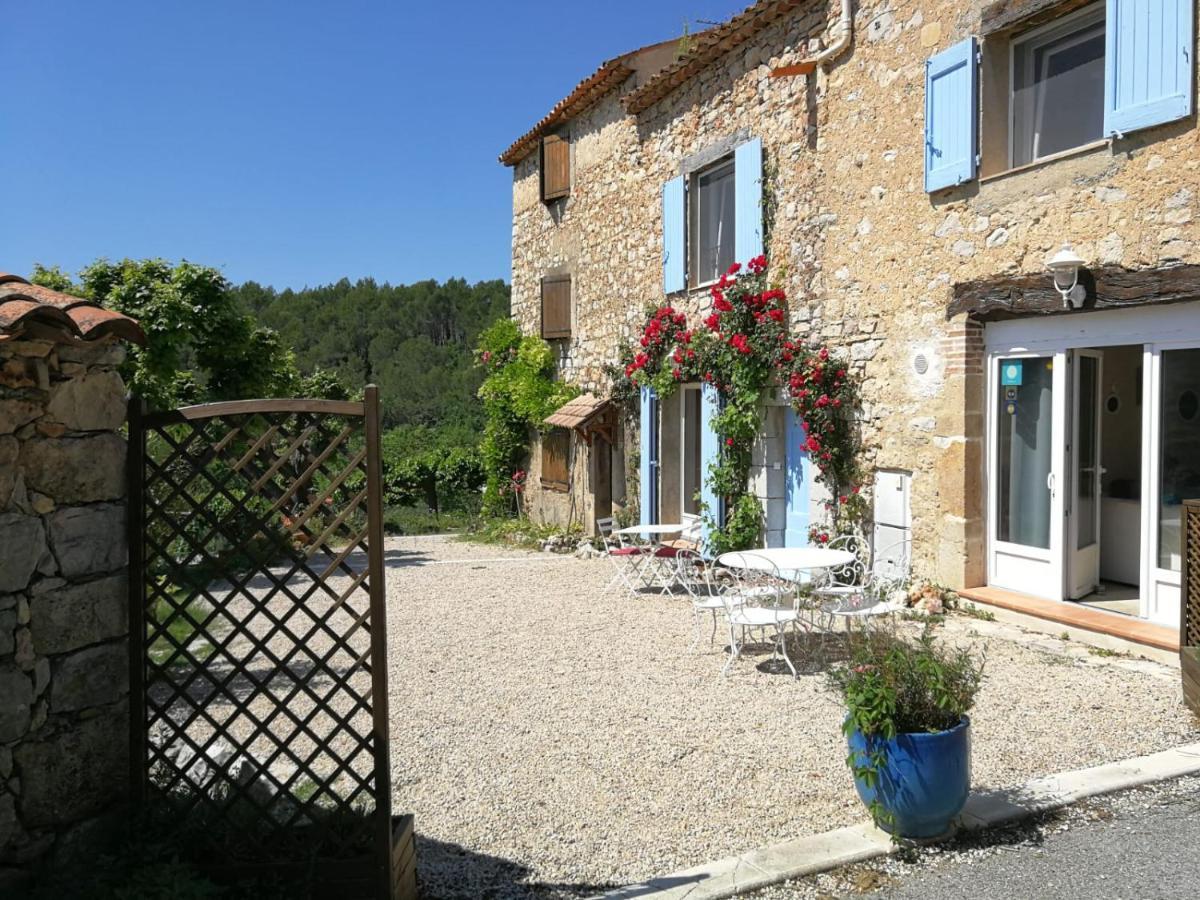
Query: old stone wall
column 63, row 600
column 868, row 258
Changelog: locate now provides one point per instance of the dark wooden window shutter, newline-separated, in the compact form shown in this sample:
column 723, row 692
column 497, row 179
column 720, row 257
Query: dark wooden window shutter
column 556, row 449
column 556, row 307
column 556, row 167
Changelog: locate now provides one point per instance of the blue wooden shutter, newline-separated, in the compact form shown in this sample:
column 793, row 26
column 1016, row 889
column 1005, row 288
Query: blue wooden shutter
column 710, row 451
column 747, row 201
column 1148, row 64
column 648, row 468
column 951, row 114
column 674, row 248
column 799, row 475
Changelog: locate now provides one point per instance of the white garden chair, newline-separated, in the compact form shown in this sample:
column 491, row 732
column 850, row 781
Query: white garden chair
column 761, row 602
column 861, row 591
column 698, row 577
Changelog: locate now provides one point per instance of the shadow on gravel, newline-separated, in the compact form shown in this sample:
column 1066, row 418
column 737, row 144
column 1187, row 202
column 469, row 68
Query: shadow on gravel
column 451, row 872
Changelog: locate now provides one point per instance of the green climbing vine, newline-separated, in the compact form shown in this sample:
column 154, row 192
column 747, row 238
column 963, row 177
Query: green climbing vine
column 518, row 393
column 743, row 348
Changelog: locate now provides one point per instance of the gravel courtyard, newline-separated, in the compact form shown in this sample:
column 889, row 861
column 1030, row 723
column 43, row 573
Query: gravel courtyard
column 552, row 741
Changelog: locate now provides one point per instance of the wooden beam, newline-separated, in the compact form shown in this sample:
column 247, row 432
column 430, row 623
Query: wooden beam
column 1108, row 287
column 1005, row 14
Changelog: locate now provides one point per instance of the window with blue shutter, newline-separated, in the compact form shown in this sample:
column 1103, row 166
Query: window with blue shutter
column 674, row 236
column 648, row 467
column 748, row 213
column 710, row 451
column 1150, row 65
column 951, row 116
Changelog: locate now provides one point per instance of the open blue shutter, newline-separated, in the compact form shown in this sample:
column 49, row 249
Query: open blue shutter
column 747, row 201
column 799, row 475
column 710, row 450
column 648, row 469
column 951, row 114
column 1148, row 63
column 674, row 253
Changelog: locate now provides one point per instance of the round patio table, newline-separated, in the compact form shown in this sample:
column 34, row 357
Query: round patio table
column 654, row 531
column 788, row 561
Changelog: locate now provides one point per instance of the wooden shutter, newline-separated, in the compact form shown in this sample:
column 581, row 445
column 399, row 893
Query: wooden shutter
column 1148, row 65
column 951, row 114
column 556, row 167
column 556, row 307
column 674, row 246
column 556, row 470
column 747, row 201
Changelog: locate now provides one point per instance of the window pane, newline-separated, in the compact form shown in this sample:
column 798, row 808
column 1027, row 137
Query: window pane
column 1058, row 98
column 1024, row 423
column 1179, row 460
column 714, row 238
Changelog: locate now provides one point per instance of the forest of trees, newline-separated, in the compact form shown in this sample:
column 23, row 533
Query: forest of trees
column 414, row 341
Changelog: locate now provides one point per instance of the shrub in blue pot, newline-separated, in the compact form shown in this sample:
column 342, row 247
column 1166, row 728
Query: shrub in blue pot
column 907, row 728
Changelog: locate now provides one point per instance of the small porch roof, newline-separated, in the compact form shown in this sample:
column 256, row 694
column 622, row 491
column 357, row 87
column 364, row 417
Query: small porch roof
column 585, row 414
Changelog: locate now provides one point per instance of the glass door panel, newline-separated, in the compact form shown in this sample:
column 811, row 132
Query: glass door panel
column 1025, row 453
column 1179, row 448
column 1085, row 474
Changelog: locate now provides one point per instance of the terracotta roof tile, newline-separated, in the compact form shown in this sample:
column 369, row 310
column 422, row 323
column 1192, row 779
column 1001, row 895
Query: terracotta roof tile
column 23, row 304
column 578, row 412
column 708, row 46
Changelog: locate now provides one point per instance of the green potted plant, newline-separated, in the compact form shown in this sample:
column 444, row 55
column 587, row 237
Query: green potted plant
column 907, row 728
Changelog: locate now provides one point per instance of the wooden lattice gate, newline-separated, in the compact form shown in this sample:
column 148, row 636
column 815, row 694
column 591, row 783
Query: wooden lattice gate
column 258, row 650
column 1189, row 626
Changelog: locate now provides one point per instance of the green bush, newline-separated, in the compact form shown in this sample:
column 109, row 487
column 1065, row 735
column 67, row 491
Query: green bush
column 892, row 686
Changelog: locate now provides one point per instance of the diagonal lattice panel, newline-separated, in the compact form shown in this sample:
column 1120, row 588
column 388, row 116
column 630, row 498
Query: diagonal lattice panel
column 256, row 551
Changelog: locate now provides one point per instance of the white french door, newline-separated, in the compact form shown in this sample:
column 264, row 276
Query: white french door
column 1027, row 428
column 1085, row 371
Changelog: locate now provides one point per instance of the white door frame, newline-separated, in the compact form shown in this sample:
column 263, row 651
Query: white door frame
column 1029, row 570
column 1077, row 559
column 1154, row 328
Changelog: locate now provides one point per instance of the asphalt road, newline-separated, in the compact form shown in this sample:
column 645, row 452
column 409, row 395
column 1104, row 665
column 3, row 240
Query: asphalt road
column 1142, row 851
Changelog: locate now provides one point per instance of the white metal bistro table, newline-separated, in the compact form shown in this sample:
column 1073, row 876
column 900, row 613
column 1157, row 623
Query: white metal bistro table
column 653, row 532
column 790, row 562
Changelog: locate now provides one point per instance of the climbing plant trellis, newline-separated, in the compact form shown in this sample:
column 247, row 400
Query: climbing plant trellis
column 258, row 642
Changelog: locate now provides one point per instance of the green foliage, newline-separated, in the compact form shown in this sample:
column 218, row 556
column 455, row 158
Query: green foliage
column 414, row 341
column 520, row 533
column 54, row 278
column 519, row 391
column 893, row 686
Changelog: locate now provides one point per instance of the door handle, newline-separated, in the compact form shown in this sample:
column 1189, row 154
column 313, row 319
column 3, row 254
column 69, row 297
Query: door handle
column 1050, row 483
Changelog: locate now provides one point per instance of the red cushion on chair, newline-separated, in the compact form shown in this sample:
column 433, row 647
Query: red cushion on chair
column 667, row 552
column 626, row 551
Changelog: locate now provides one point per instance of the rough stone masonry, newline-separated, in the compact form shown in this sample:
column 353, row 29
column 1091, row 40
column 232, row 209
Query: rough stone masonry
column 64, row 665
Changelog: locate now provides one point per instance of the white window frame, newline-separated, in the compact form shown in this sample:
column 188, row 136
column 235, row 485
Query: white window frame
column 692, row 229
column 1060, row 27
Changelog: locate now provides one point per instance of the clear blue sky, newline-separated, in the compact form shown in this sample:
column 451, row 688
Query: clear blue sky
column 294, row 142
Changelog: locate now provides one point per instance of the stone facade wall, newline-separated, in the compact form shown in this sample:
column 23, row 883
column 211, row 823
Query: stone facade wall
column 63, row 602
column 868, row 258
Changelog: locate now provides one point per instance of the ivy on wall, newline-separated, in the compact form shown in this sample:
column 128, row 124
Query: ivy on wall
column 518, row 393
column 743, row 348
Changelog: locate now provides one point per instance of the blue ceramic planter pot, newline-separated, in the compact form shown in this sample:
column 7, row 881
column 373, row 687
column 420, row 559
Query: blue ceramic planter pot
column 924, row 781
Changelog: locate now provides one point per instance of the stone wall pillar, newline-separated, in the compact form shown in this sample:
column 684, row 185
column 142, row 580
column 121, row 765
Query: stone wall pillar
column 960, row 462
column 64, row 665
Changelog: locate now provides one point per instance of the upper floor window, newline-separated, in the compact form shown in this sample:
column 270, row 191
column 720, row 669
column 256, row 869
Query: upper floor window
column 712, row 222
column 1058, row 86
column 556, row 167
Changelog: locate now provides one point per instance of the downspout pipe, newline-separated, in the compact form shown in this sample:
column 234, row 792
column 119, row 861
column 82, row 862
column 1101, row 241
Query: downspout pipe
column 845, row 31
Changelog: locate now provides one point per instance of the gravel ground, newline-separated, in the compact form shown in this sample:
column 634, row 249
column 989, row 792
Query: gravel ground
column 553, row 741
column 1130, row 844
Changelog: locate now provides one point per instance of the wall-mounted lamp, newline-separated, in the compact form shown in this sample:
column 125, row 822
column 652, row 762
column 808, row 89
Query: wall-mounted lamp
column 1065, row 266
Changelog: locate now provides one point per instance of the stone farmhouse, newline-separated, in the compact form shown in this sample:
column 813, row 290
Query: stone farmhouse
column 910, row 168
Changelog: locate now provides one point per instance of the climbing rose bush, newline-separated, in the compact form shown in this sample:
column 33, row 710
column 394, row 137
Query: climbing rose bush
column 742, row 348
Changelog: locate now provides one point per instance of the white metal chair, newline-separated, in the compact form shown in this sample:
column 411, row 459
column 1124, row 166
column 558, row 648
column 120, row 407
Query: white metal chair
column 628, row 560
column 865, row 592
column 760, row 600
column 698, row 578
